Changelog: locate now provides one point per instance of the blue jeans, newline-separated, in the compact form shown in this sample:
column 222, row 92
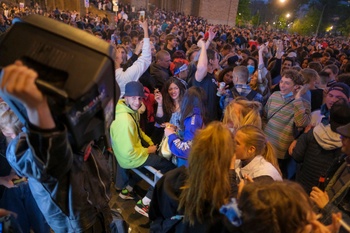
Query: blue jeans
column 121, row 177
column 20, row 201
column 153, row 160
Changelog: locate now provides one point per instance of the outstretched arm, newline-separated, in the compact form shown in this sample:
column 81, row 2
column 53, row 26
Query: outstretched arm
column 134, row 72
column 202, row 62
column 202, row 65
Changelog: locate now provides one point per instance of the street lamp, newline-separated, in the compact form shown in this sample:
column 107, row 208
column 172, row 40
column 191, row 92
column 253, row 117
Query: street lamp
column 288, row 15
column 282, row 1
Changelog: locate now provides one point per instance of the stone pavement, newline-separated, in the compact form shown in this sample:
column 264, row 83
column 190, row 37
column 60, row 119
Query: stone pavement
column 137, row 222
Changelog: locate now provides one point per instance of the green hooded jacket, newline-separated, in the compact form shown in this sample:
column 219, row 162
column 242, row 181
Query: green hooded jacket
column 125, row 138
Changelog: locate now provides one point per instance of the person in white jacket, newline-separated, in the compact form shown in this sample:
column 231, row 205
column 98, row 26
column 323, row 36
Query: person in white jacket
column 255, row 155
column 134, row 72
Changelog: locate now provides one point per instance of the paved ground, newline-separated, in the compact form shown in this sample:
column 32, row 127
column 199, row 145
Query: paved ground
column 138, row 223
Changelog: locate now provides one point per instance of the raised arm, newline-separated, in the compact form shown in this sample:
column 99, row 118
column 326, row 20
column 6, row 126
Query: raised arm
column 262, row 71
column 134, row 72
column 276, row 70
column 19, row 82
column 45, row 150
column 202, row 65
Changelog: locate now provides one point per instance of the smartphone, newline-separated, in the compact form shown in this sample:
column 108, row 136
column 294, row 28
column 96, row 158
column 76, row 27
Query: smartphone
column 19, row 181
column 158, row 125
column 141, row 16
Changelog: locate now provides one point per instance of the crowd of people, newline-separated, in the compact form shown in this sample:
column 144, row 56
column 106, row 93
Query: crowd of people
column 238, row 110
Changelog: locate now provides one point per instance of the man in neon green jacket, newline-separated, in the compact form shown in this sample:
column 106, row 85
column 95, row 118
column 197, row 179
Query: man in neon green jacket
column 132, row 147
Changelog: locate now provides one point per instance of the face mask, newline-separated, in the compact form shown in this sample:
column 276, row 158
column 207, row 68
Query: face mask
column 290, row 94
column 250, row 69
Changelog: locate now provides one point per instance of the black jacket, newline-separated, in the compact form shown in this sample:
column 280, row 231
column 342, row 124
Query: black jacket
column 159, row 75
column 164, row 214
column 315, row 150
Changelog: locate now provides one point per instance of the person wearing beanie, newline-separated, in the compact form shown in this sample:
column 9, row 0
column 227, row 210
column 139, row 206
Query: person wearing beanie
column 336, row 196
column 317, row 148
column 132, row 147
column 338, row 91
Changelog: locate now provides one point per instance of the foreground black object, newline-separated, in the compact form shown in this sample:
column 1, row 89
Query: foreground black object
column 76, row 71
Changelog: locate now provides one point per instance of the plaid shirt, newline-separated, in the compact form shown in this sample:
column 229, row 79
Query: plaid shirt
column 244, row 90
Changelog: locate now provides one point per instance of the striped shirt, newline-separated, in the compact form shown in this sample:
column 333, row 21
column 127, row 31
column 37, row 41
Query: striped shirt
column 284, row 112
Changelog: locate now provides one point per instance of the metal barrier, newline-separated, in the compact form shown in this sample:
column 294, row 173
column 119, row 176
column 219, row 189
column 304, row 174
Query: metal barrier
column 157, row 175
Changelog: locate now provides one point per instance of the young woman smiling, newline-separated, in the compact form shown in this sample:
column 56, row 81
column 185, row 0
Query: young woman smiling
column 169, row 101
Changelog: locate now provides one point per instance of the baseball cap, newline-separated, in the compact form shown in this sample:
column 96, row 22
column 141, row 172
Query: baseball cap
column 134, row 88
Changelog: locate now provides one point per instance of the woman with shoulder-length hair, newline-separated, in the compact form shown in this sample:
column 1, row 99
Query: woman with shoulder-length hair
column 193, row 117
column 188, row 199
column 255, row 155
column 241, row 112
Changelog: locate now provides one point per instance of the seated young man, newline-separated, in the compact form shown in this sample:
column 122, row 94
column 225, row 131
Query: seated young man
column 129, row 145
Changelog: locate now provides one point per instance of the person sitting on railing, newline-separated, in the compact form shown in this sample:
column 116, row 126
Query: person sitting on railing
column 132, row 147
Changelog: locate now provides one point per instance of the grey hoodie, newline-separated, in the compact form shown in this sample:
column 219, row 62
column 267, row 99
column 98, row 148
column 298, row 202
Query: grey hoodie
column 326, row 138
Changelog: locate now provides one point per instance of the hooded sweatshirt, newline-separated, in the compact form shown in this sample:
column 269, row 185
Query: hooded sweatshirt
column 316, row 150
column 326, row 138
column 126, row 142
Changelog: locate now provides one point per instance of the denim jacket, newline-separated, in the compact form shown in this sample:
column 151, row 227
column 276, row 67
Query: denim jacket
column 70, row 190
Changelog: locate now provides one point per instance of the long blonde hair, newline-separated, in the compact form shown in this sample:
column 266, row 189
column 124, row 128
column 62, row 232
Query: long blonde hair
column 253, row 136
column 249, row 114
column 207, row 186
